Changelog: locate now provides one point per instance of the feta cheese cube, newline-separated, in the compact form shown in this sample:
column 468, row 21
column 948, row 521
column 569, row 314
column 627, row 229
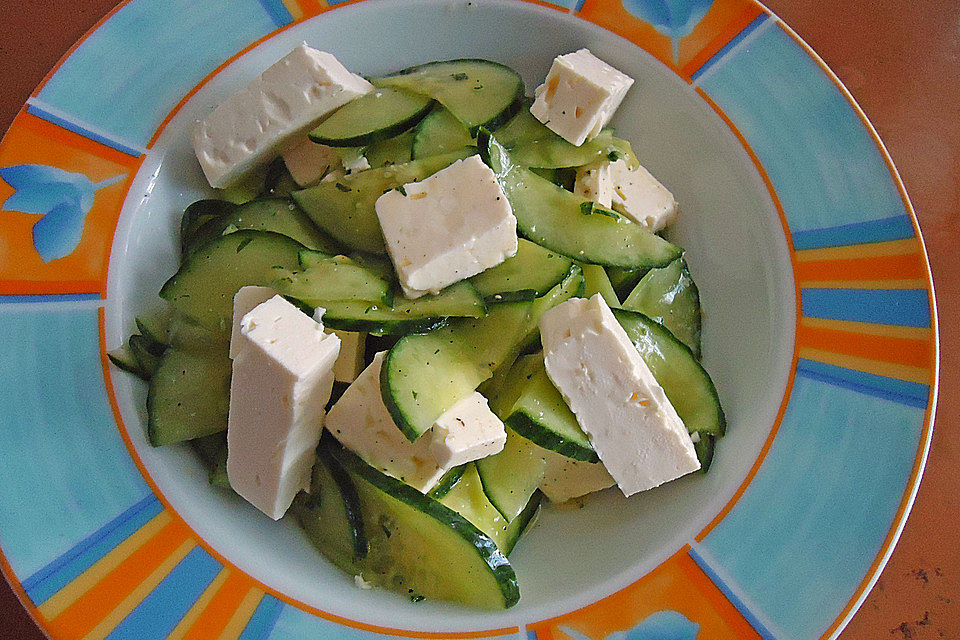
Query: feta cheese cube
column 579, row 96
column 362, row 424
column 278, row 106
column 617, row 401
column 467, row 431
column 308, row 162
column 245, row 301
column 634, row 193
column 565, row 478
column 448, row 227
column 282, row 377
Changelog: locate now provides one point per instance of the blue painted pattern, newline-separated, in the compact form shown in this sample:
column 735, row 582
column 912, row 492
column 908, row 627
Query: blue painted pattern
column 885, row 229
column 61, row 198
column 263, row 619
column 135, row 68
column 278, row 12
column 900, row 307
column 912, row 394
column 56, row 575
column 675, row 19
column 160, row 611
column 826, row 494
column 59, row 297
column 54, row 492
column 825, row 166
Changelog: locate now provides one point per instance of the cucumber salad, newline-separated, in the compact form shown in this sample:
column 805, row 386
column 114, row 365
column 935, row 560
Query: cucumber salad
column 422, row 306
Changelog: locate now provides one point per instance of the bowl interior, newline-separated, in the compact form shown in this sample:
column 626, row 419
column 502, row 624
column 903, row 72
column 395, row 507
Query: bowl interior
column 729, row 227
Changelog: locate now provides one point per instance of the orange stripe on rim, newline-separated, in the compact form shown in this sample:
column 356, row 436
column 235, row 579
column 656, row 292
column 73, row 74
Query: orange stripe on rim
column 905, row 351
column 732, row 30
column 49, row 287
column 93, row 607
column 934, row 365
column 310, row 8
column 902, row 267
column 793, row 362
column 431, row 635
column 222, row 606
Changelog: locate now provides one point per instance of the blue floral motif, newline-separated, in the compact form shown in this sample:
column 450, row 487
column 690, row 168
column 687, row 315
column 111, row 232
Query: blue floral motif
column 62, row 199
column 662, row 625
column 675, row 19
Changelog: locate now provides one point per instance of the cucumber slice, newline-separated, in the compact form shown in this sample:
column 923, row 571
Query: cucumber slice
column 624, row 280
column 397, row 150
column 684, row 380
column 531, row 144
column 447, row 482
column 670, row 297
column 209, row 447
column 705, row 448
column 379, row 115
column 331, row 514
column 337, row 278
column 479, row 93
column 309, row 258
column 186, row 335
column 189, row 396
column 426, row 374
column 532, row 268
column 420, row 547
column 565, row 177
column 218, row 474
column 439, row 133
column 570, row 286
column 279, row 215
column 595, row 281
column 154, row 329
column 539, row 413
column 278, row 182
column 123, row 359
column 467, row 498
column 204, row 287
column 511, row 477
column 199, row 213
column 570, row 224
column 345, row 208
column 213, row 453
column 406, row 316
column 145, row 354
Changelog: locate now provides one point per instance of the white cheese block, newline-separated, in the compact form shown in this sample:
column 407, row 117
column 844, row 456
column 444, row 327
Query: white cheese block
column 467, row 431
column 245, row 301
column 634, row 193
column 448, row 227
column 579, row 96
column 362, row 424
column 277, row 107
column 308, row 162
column 618, row 403
column 565, row 478
column 352, row 349
column 282, row 377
